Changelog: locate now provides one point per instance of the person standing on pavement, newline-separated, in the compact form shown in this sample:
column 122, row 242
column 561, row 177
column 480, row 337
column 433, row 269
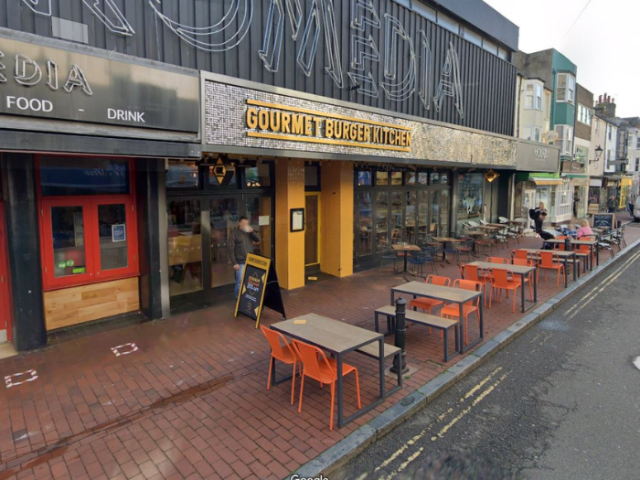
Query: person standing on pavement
column 612, row 204
column 541, row 215
column 241, row 241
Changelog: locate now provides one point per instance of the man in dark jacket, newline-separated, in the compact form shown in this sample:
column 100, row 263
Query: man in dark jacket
column 612, row 204
column 241, row 242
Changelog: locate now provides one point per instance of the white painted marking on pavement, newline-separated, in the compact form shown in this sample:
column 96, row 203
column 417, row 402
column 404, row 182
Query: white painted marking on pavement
column 636, row 362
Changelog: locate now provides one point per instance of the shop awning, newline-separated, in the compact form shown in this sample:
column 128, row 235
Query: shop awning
column 541, row 182
column 626, row 182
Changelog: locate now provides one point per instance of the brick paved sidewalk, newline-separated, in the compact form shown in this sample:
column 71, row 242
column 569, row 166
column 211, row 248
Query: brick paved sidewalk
column 192, row 401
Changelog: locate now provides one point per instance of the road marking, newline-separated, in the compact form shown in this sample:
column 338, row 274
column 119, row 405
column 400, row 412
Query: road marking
column 636, row 362
column 602, row 286
column 586, row 295
column 440, row 419
column 125, row 349
column 12, row 380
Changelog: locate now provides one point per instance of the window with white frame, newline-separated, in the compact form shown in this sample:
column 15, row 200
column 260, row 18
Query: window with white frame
column 638, row 142
column 609, row 131
column 565, row 139
column 584, row 114
column 533, row 96
column 532, row 133
column 566, row 88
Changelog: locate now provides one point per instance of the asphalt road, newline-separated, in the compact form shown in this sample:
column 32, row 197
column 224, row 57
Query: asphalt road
column 560, row 402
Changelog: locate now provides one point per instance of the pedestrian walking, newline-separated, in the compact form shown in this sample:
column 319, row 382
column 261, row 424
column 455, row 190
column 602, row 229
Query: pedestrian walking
column 241, row 242
column 540, row 217
column 612, row 204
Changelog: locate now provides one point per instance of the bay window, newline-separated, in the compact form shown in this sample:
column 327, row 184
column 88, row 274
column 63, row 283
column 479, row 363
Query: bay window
column 566, row 88
column 88, row 228
column 533, row 96
column 565, row 139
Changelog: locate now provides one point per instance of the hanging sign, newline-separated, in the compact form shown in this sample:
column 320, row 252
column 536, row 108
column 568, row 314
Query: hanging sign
column 259, row 289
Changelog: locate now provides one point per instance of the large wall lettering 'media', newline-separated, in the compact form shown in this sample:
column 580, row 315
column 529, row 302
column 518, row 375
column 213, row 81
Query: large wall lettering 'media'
column 373, row 52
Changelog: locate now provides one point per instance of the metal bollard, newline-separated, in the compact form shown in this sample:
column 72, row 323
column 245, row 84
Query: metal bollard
column 401, row 329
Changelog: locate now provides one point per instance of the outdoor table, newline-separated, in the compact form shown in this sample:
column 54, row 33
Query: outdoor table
column 336, row 338
column 446, row 294
column 515, row 270
column 565, row 256
column 593, row 249
column 490, row 228
column 444, row 240
column 405, row 249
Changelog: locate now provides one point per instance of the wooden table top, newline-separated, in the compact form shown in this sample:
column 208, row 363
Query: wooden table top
column 448, row 239
column 489, row 227
column 559, row 253
column 331, row 335
column 518, row 269
column 437, row 292
column 475, row 233
column 406, row 248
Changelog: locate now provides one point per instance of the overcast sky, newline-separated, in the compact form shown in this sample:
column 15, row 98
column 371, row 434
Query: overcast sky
column 603, row 43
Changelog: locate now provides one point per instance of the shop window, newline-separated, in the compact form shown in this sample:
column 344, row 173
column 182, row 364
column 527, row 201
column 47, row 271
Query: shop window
column 258, row 176
column 382, row 179
column 62, row 176
column 410, row 178
column 434, row 178
column 582, row 154
column 470, row 197
column 364, row 178
column 92, row 236
column 364, row 224
column 423, row 178
column 86, row 239
column 312, row 177
column 396, row 179
column 444, row 179
column 185, row 246
column 182, row 174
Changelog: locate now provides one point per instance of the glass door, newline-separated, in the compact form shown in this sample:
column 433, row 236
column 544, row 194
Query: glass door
column 439, row 225
column 382, row 222
column 364, row 224
column 184, row 246
column 259, row 211
column 224, row 213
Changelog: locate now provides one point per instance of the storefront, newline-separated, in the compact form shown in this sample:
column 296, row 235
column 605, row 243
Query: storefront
column 597, row 196
column 626, row 185
column 84, row 138
column 364, row 178
column 538, row 179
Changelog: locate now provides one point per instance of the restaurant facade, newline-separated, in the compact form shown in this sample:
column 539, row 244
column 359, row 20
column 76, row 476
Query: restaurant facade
column 123, row 176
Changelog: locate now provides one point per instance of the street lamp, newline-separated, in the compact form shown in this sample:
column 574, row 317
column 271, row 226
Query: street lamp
column 599, row 151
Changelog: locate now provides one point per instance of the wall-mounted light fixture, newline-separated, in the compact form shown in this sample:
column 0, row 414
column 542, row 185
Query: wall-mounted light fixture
column 598, row 155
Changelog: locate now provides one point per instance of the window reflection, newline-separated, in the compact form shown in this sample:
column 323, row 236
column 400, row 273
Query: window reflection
column 184, row 246
column 364, row 225
column 382, row 221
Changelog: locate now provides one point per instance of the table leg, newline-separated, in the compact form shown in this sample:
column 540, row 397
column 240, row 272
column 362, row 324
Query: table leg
column 481, row 310
column 405, row 261
column 383, row 393
column 597, row 255
column 522, row 277
column 535, row 285
column 446, row 344
column 463, row 332
column 393, row 297
column 575, row 270
column 566, row 272
column 339, row 393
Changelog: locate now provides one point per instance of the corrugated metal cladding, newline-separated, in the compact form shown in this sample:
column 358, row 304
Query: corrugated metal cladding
column 227, row 36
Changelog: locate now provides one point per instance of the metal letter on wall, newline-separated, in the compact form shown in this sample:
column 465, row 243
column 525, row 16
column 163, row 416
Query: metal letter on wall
column 402, row 90
column 28, row 72
column 363, row 47
column 120, row 25
column 331, row 45
column 450, row 83
column 273, row 37
column 310, row 35
column 3, row 77
column 426, row 84
column 41, row 7
column 201, row 37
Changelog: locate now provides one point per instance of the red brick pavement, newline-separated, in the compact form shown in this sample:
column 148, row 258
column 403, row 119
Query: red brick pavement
column 192, row 401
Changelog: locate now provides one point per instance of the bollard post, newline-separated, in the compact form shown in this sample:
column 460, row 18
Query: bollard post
column 401, row 329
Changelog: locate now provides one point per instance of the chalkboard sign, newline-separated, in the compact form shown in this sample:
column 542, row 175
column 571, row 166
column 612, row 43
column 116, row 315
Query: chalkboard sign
column 259, row 289
column 604, row 220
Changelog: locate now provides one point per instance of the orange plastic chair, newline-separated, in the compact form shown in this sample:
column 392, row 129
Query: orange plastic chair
column 319, row 368
column 502, row 282
column 521, row 254
column 529, row 280
column 427, row 304
column 560, row 246
column 548, row 262
column 282, row 351
column 453, row 310
column 473, row 273
column 504, row 261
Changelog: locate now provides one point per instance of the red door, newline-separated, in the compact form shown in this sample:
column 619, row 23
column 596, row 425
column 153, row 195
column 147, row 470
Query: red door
column 5, row 292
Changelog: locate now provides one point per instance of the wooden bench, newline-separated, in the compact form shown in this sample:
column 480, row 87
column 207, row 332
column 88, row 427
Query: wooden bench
column 427, row 320
column 373, row 350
